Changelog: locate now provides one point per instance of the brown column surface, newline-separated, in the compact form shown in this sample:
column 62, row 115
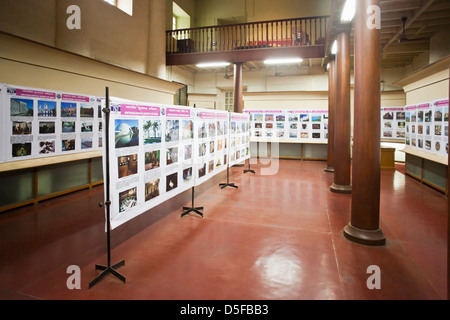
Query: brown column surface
column 238, row 100
column 331, row 115
column 366, row 167
column 342, row 180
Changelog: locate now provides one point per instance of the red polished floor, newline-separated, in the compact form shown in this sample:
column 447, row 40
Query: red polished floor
column 277, row 237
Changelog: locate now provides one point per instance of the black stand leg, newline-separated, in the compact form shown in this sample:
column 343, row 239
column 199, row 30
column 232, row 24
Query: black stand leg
column 228, row 184
column 193, row 208
column 108, row 269
column 249, row 170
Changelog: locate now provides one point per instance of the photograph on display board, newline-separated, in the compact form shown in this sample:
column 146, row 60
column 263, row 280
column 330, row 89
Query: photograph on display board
column 21, row 107
column 68, row 126
column 220, row 128
column 151, row 190
column 188, row 152
column 171, row 155
column 304, row 117
column 68, row 145
column 152, row 131
column 126, row 133
column 22, row 128
column 21, row 149
column 187, row 175
column 86, row 110
column 202, row 170
column 128, row 165
column 172, row 182
column 47, row 109
column 212, row 129
column 127, row 199
column 68, row 110
column 152, row 160
column 202, row 131
column 187, row 129
column 87, row 127
column 202, row 150
column 316, row 118
column 258, row 117
column 86, row 143
column 47, row 147
column 172, row 130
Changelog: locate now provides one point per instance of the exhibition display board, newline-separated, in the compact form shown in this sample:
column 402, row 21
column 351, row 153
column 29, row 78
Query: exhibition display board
column 41, row 123
column 289, row 125
column 159, row 151
column 393, row 123
column 427, row 127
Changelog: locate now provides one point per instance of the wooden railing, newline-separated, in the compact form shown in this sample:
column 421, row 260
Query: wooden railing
column 263, row 34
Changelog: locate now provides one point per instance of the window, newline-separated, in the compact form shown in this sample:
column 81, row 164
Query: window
column 174, row 23
column 229, row 101
column 124, row 5
column 180, row 98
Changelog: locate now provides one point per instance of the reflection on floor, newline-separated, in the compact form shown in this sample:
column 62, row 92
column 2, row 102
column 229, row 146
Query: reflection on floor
column 276, row 237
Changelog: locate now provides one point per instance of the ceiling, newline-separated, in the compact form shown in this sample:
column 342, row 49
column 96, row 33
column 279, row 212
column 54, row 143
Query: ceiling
column 424, row 19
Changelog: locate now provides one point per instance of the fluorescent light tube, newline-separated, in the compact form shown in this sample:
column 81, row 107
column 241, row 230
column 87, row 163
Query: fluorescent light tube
column 349, row 11
column 283, row 60
column 213, row 64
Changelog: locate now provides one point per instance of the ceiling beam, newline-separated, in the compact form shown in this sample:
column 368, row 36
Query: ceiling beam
column 408, row 23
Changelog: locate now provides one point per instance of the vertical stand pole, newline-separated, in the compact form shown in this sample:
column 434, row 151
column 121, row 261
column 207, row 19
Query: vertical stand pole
column 249, row 170
column 193, row 208
column 108, row 268
column 228, row 184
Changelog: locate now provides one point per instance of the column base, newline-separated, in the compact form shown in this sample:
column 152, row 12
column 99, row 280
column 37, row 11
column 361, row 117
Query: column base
column 329, row 169
column 365, row 237
column 343, row 189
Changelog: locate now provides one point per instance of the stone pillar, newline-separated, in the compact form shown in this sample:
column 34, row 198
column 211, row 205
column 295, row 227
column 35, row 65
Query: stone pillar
column 342, row 180
column 366, row 169
column 331, row 115
column 238, row 99
column 156, row 58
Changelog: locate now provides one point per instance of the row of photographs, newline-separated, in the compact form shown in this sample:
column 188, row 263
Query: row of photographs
column 282, row 124
column 41, row 123
column 427, row 127
column 127, row 131
column 157, row 157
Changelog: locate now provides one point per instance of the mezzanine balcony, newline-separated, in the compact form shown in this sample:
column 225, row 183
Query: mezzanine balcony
column 253, row 41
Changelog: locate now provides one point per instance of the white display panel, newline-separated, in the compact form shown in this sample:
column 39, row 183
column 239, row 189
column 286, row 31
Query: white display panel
column 289, row 125
column 393, row 123
column 41, row 123
column 239, row 149
column 159, row 151
column 150, row 156
column 427, row 127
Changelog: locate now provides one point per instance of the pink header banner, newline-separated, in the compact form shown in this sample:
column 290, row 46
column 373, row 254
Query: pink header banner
column 175, row 112
column 207, row 115
column 135, row 110
column 319, row 111
column 423, row 106
column 35, row 94
column 74, row 97
column 274, row 111
column 441, row 103
column 410, row 107
column 393, row 109
column 222, row 115
column 253, row 111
